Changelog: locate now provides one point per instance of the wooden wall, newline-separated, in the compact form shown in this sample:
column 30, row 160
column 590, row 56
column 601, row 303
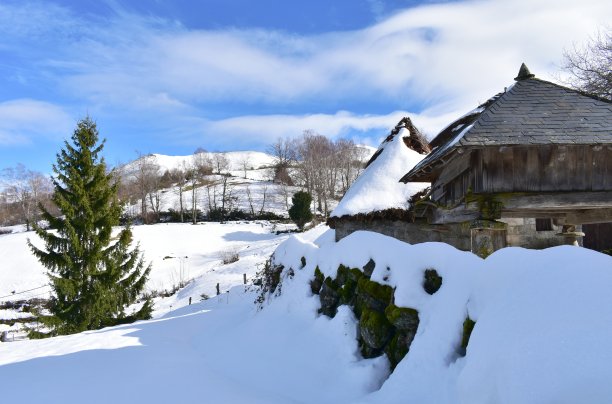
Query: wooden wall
column 535, row 168
column 598, row 236
column 547, row 168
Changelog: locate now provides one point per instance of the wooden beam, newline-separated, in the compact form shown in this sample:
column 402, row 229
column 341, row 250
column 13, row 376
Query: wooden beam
column 567, row 207
column 589, row 216
column 564, row 201
column 459, row 214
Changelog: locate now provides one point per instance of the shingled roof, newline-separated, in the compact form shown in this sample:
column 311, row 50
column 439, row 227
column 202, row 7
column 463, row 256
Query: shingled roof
column 531, row 112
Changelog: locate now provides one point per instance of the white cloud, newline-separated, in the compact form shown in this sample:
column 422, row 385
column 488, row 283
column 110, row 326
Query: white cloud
column 452, row 52
column 24, row 120
column 368, row 129
column 445, row 58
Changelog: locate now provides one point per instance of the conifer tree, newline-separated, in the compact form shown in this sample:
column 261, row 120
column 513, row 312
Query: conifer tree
column 94, row 275
column 300, row 210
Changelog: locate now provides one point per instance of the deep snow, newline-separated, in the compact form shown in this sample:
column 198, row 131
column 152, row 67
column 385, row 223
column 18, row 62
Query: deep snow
column 543, row 326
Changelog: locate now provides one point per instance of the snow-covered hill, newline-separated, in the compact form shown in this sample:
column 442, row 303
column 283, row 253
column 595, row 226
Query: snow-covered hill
column 543, row 326
column 236, row 159
column 179, row 253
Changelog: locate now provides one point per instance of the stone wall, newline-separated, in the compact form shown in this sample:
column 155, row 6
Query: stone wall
column 520, row 232
column 457, row 235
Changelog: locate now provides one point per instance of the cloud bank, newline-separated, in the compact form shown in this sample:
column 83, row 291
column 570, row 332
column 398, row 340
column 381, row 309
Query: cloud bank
column 430, row 62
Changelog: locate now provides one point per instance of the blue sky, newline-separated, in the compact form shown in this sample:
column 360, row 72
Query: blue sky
column 170, row 76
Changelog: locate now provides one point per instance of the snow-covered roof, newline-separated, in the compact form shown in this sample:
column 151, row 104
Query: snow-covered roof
column 378, row 187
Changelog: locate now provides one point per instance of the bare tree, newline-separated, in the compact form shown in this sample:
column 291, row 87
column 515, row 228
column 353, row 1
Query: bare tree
column 351, row 160
column 590, row 66
column 264, row 198
column 228, row 198
column 285, row 154
column 221, row 163
column 286, row 193
column 179, row 178
column 245, row 164
column 26, row 189
column 146, row 178
column 250, row 200
column 317, row 167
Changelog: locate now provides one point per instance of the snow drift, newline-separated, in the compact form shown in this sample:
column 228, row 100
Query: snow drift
column 543, row 326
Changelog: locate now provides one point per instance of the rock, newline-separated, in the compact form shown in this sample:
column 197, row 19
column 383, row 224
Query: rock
column 432, row 281
column 350, row 280
column 372, row 295
column 342, row 275
column 317, row 282
column 403, row 318
column 375, row 330
column 329, row 298
column 468, row 327
column 369, row 268
column 398, row 347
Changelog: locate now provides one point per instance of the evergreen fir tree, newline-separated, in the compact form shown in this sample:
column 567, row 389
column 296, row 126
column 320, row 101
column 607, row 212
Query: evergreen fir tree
column 94, row 274
column 300, row 209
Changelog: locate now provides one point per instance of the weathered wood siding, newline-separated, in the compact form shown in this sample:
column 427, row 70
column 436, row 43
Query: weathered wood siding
column 598, row 236
column 547, row 168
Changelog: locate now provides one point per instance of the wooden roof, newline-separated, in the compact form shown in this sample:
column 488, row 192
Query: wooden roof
column 531, row 112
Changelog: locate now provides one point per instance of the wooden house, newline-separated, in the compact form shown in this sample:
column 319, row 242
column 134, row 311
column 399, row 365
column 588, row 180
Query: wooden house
column 526, row 168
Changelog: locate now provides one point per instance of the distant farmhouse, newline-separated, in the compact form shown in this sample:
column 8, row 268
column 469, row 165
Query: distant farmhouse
column 531, row 167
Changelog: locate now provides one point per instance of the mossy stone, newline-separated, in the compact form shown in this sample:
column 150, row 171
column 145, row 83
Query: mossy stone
column 375, row 330
column 373, row 295
column 317, row 282
column 468, row 327
column 403, row 318
column 329, row 297
column 398, row 347
column 342, row 274
column 432, row 281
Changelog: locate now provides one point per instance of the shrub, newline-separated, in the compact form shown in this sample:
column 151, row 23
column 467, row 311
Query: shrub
column 300, row 209
column 229, row 256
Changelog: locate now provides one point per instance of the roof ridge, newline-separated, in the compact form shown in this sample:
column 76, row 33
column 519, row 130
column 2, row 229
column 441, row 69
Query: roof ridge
column 574, row 90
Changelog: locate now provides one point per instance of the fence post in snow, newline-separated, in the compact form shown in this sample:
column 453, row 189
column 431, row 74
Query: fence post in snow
column 244, row 278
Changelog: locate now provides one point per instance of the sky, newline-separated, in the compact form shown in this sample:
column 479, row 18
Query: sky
column 171, row 76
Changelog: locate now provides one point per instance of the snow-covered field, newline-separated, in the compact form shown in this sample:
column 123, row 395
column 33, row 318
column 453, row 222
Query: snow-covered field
column 179, row 253
column 543, row 326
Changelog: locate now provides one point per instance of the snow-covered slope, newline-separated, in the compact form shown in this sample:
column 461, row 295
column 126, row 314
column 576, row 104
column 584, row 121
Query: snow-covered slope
column 543, row 326
column 254, row 160
column 177, row 252
column 378, row 186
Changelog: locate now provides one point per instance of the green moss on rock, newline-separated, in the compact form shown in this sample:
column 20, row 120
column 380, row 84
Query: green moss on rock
column 317, row 282
column 402, row 318
column 396, row 349
column 375, row 330
column 468, row 327
column 329, row 297
column 373, row 295
column 342, row 274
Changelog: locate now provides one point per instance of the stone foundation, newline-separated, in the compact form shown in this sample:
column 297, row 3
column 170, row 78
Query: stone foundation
column 519, row 232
